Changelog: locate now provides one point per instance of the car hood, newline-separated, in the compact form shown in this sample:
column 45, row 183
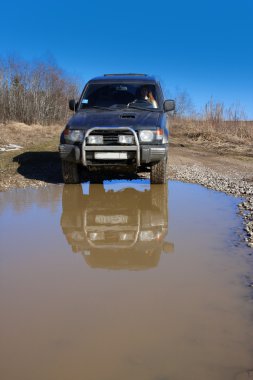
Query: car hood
column 134, row 118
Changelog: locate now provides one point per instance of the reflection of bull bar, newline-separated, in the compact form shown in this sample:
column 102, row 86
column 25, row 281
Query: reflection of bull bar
column 103, row 228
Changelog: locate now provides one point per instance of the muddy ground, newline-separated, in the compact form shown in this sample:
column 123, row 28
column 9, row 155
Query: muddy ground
column 224, row 167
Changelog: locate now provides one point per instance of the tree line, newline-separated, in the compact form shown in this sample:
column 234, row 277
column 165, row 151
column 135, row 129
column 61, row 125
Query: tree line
column 37, row 92
column 34, row 92
column 213, row 111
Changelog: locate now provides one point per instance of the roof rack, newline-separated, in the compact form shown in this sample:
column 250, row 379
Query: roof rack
column 129, row 74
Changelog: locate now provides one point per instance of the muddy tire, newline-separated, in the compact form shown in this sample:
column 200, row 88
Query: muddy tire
column 159, row 172
column 70, row 172
column 159, row 197
column 72, row 197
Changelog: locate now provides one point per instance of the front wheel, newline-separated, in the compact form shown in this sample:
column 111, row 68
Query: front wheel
column 70, row 172
column 159, row 172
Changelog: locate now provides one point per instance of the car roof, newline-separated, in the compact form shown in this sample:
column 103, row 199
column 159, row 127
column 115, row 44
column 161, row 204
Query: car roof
column 124, row 77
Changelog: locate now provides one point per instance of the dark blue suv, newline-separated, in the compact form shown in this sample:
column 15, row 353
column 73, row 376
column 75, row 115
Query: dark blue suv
column 120, row 122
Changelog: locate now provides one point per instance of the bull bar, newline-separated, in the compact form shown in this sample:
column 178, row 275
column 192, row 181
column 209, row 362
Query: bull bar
column 111, row 148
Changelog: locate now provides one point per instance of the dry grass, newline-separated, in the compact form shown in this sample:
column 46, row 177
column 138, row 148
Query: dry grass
column 223, row 137
column 28, row 135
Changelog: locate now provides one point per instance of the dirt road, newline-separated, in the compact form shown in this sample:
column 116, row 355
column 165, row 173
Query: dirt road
column 28, row 157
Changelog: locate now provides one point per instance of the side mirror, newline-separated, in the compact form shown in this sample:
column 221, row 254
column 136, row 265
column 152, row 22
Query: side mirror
column 169, row 105
column 72, row 104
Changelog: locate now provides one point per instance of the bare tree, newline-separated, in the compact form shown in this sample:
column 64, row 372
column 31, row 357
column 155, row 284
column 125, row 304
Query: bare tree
column 34, row 92
column 184, row 104
column 214, row 112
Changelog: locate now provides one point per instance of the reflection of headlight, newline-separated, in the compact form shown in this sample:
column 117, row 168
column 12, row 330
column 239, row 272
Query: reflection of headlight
column 96, row 236
column 76, row 235
column 146, row 136
column 147, row 235
column 126, row 236
column 98, row 139
column 123, row 139
column 74, row 135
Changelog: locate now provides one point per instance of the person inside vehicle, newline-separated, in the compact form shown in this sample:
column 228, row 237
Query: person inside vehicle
column 146, row 94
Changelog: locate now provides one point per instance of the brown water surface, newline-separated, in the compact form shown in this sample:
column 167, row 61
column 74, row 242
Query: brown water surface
column 122, row 281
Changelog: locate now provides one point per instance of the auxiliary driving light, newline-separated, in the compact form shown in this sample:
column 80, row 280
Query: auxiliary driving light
column 124, row 139
column 96, row 139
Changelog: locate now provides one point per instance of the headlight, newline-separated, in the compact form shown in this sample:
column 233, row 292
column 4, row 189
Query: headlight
column 96, row 139
column 146, row 136
column 124, row 139
column 75, row 135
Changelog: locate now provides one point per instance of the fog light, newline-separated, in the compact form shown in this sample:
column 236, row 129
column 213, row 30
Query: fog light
column 124, row 139
column 96, row 139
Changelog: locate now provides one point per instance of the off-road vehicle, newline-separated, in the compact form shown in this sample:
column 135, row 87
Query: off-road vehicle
column 120, row 121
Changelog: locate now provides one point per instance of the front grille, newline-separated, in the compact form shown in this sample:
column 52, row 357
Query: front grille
column 110, row 140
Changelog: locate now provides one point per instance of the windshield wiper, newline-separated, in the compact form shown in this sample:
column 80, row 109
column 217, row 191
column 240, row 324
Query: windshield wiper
column 101, row 108
column 144, row 109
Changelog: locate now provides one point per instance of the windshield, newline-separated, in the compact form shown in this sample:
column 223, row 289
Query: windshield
column 120, row 95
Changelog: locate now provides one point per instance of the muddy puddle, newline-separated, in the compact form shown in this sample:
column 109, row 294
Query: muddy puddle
column 123, row 281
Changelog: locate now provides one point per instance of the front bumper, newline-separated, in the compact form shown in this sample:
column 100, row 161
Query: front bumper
column 153, row 153
column 148, row 153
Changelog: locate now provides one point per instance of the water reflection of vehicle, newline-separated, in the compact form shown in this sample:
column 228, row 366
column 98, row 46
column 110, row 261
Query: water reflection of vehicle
column 116, row 229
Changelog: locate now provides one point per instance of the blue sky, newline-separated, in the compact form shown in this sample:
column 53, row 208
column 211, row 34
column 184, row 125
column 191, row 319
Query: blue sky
column 203, row 47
